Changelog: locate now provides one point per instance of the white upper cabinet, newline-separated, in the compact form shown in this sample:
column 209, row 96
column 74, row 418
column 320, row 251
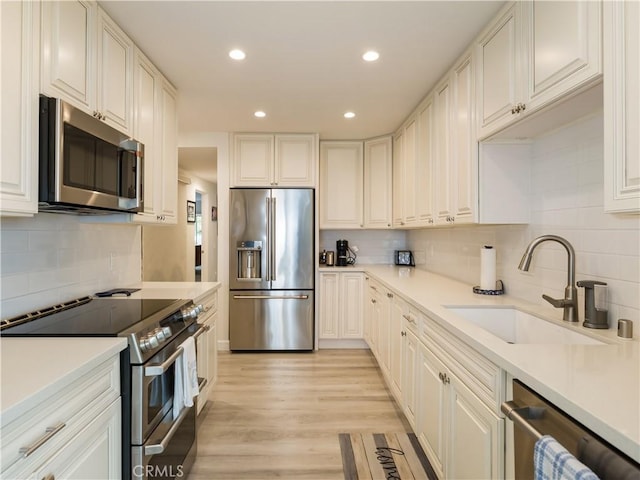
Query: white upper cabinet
column 267, row 160
column 499, row 82
column 295, row 160
column 377, row 182
column 425, row 163
column 341, row 184
column 444, row 165
column 155, row 125
column 563, row 47
column 464, row 146
column 622, row 107
column 355, row 184
column 19, row 46
column 534, row 54
column 114, row 98
column 398, row 178
column 87, row 61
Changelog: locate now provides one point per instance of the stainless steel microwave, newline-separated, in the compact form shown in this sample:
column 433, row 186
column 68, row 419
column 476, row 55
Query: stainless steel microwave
column 86, row 166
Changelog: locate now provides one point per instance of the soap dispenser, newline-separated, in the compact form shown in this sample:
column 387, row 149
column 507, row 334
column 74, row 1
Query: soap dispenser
column 594, row 317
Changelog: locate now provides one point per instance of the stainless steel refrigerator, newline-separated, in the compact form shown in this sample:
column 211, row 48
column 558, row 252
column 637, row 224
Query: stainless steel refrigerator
column 271, row 269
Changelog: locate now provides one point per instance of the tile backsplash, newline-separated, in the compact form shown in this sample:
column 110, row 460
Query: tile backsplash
column 52, row 258
column 567, row 200
column 374, row 246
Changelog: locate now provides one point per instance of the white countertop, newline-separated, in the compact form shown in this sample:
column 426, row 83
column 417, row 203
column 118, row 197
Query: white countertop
column 599, row 385
column 33, row 369
column 187, row 290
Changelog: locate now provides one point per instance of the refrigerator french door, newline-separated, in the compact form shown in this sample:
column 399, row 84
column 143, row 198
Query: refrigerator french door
column 271, row 269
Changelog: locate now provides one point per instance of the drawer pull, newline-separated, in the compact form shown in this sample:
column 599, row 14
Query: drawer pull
column 49, row 432
column 51, row 476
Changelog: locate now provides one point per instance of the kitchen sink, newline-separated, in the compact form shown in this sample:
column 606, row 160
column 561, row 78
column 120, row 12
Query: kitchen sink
column 515, row 326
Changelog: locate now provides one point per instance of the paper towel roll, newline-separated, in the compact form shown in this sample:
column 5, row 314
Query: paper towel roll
column 488, row 268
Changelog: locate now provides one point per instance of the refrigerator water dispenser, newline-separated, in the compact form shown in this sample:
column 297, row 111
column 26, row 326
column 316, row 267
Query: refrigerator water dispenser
column 249, row 260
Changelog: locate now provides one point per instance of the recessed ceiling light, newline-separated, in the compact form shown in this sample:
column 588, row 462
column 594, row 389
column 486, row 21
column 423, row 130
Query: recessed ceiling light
column 237, row 54
column 260, row 114
column 371, row 56
column 349, row 115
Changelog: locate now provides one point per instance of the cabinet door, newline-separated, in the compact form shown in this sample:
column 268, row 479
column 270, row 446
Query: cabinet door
column 565, row 48
column 351, row 294
column 377, row 183
column 425, row 163
column 397, row 309
column 114, row 73
column 212, row 356
column 409, row 379
column 475, row 436
column 341, row 183
column 431, row 409
column 145, row 95
column 409, row 174
column 253, row 160
column 295, row 160
column 384, row 333
column 329, row 305
column 96, row 452
column 169, row 145
column 621, row 107
column 444, row 174
column 398, row 179
column 19, row 44
column 464, row 144
column 499, row 79
column 68, row 52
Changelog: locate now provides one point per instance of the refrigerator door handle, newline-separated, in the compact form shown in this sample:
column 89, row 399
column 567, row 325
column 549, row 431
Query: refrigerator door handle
column 269, row 246
column 270, row 297
column 272, row 248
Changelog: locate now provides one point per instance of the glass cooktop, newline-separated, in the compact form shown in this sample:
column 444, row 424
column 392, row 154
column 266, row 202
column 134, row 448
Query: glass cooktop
column 102, row 317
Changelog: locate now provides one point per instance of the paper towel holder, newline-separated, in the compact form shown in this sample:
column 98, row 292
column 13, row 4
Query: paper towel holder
column 498, row 291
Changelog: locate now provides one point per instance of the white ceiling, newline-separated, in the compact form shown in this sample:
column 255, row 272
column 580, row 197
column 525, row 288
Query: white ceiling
column 303, row 65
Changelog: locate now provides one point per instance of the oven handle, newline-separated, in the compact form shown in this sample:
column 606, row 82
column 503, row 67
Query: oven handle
column 155, row 370
column 158, row 448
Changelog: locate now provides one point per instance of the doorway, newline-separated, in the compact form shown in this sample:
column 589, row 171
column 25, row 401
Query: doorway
column 198, row 238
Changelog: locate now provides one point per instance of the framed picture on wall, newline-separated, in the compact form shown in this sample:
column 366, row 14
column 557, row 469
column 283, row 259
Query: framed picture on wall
column 214, row 214
column 191, row 211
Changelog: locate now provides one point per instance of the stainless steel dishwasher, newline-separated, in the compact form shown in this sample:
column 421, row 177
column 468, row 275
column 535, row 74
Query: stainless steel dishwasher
column 533, row 417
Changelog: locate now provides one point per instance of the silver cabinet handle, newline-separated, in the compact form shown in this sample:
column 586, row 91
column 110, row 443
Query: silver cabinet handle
column 520, row 416
column 270, row 297
column 49, row 432
column 51, row 476
column 157, row 448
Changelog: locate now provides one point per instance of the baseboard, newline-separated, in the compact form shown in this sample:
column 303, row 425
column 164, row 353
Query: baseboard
column 223, row 345
column 342, row 343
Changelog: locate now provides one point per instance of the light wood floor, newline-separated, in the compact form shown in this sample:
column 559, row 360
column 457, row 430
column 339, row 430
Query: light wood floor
column 279, row 415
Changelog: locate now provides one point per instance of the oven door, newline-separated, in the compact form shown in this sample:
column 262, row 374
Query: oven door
column 152, row 385
column 170, row 450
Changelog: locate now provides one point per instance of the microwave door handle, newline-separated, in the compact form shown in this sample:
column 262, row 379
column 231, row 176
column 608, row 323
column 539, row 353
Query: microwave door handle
column 158, row 448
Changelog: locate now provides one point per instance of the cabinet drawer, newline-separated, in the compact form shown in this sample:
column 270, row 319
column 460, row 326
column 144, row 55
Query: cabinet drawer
column 68, row 411
column 483, row 377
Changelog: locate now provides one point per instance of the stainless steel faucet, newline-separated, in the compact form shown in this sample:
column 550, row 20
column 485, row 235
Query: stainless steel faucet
column 570, row 301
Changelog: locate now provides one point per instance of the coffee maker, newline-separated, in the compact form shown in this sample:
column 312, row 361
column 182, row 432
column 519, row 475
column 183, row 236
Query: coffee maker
column 342, row 250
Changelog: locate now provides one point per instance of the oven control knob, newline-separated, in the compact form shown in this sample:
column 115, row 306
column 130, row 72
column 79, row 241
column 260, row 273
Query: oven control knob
column 144, row 344
column 200, row 308
column 159, row 334
column 167, row 332
column 153, row 341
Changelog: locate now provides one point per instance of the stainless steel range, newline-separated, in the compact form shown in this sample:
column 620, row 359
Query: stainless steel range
column 155, row 444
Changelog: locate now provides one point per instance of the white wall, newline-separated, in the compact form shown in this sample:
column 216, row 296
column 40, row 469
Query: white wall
column 567, row 200
column 53, row 258
column 209, row 193
column 219, row 140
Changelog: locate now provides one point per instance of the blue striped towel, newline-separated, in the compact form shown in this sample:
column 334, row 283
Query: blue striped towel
column 551, row 461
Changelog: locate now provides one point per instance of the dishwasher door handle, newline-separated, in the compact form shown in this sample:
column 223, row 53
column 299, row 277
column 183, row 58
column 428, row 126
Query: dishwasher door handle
column 520, row 416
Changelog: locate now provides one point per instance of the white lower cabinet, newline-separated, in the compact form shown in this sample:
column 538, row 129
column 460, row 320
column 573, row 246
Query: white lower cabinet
column 207, row 349
column 341, row 306
column 93, row 453
column 449, row 393
column 74, row 433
